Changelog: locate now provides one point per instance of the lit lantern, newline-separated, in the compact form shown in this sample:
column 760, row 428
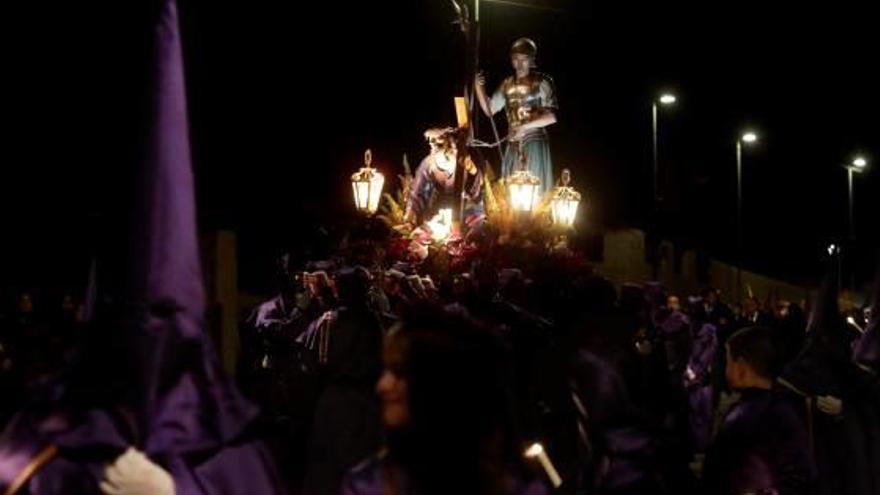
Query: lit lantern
column 441, row 225
column 367, row 186
column 564, row 205
column 524, row 188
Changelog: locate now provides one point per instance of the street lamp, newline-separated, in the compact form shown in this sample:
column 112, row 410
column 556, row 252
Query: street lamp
column 858, row 165
column 665, row 99
column 748, row 137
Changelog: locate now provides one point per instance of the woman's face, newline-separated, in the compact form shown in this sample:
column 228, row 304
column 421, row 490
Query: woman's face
column 393, row 389
column 521, row 63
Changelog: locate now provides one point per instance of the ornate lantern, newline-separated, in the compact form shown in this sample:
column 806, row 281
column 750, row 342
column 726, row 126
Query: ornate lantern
column 563, row 206
column 367, row 184
column 524, row 188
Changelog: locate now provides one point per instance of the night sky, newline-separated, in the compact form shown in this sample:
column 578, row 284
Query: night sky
column 285, row 96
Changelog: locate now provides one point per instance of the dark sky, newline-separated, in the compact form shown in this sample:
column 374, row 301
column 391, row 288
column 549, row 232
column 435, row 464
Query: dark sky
column 285, row 96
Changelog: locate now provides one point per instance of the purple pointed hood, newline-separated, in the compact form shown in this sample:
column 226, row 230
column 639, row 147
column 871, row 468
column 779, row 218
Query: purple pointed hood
column 188, row 404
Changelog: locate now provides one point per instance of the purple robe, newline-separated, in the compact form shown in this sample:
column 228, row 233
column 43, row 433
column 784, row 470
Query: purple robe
column 699, row 385
column 346, row 426
column 842, row 444
column 616, row 453
column 433, row 188
column 675, row 335
column 761, row 446
column 867, row 351
column 175, row 404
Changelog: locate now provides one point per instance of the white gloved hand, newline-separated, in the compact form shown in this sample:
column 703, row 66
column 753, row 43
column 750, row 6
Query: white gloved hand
column 829, row 404
column 132, row 473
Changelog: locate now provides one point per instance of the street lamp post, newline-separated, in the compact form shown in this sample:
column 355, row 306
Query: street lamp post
column 857, row 166
column 664, row 99
column 747, row 138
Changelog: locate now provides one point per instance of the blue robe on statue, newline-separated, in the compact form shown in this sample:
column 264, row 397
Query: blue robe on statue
column 523, row 100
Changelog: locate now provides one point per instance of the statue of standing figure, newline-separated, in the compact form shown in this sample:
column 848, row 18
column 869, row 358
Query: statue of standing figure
column 529, row 100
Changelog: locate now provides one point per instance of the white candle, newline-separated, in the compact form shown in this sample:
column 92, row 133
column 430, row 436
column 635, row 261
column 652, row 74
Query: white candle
column 536, row 451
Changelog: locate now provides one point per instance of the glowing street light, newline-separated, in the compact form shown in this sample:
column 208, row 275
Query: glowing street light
column 858, row 165
column 666, row 99
column 748, row 137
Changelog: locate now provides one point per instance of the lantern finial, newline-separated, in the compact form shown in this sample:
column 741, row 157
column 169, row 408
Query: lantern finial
column 368, row 158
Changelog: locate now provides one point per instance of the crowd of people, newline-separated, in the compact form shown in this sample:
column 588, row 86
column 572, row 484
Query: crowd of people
column 381, row 376
column 451, row 374
column 39, row 334
column 499, row 363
